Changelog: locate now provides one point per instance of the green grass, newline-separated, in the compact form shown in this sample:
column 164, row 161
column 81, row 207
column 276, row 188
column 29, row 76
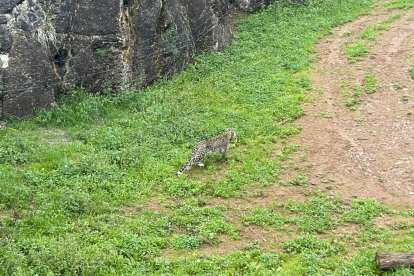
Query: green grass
column 392, row 18
column 265, row 218
column 314, row 252
column 370, row 83
column 364, row 210
column 90, row 187
column 401, row 4
column 356, row 51
column 287, row 151
column 248, row 262
column 371, row 33
column 315, row 215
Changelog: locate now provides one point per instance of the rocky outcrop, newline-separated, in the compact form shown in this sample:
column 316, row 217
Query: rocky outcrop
column 47, row 46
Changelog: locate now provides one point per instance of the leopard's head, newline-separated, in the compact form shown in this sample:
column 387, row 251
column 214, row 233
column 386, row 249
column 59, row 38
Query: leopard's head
column 233, row 134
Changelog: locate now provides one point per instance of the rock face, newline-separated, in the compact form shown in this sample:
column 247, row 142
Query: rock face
column 47, row 46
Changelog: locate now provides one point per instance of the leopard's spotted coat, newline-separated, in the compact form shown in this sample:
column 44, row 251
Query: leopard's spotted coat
column 219, row 143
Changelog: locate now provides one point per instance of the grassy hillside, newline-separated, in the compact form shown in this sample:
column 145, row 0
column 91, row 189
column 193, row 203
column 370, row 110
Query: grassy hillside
column 90, row 187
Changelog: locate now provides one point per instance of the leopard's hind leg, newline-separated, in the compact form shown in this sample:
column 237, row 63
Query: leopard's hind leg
column 223, row 151
column 196, row 158
column 199, row 160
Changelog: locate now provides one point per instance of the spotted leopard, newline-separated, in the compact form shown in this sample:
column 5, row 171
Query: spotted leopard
column 216, row 144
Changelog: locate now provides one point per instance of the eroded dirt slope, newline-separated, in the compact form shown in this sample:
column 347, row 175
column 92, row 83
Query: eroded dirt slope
column 368, row 151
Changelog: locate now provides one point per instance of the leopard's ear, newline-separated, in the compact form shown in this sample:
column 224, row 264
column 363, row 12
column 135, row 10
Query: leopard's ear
column 233, row 134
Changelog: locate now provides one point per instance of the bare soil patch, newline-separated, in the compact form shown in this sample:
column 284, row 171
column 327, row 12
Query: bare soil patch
column 368, row 152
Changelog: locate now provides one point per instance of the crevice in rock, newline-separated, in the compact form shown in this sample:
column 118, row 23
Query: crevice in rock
column 127, row 3
column 1, row 108
column 18, row 3
column 60, row 62
column 127, row 50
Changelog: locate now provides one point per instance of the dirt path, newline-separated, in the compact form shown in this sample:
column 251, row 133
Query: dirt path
column 368, row 152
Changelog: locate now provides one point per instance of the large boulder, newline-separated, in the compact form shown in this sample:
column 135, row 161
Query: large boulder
column 47, row 46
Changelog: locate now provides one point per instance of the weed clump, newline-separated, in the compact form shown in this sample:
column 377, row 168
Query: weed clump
column 370, row 83
column 364, row 210
column 265, row 218
column 356, row 51
column 315, row 215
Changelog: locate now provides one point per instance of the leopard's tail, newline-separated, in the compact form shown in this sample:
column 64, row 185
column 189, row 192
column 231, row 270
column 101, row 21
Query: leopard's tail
column 192, row 160
column 186, row 167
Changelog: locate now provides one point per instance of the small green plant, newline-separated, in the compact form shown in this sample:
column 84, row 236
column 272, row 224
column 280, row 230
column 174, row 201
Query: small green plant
column 14, row 193
column 205, row 223
column 411, row 71
column 370, row 83
column 287, row 151
column 301, row 180
column 372, row 32
column 409, row 213
column 356, row 51
column 315, row 214
column 309, row 243
column 264, row 218
column 352, row 94
column 15, row 149
column 103, row 52
column 392, row 18
column 325, row 114
column 405, row 98
column 402, row 271
column 47, row 21
column 364, row 210
column 185, row 242
column 181, row 187
column 250, row 261
column 399, row 86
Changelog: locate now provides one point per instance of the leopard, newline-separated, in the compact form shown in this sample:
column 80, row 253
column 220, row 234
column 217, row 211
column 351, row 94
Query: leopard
column 216, row 144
